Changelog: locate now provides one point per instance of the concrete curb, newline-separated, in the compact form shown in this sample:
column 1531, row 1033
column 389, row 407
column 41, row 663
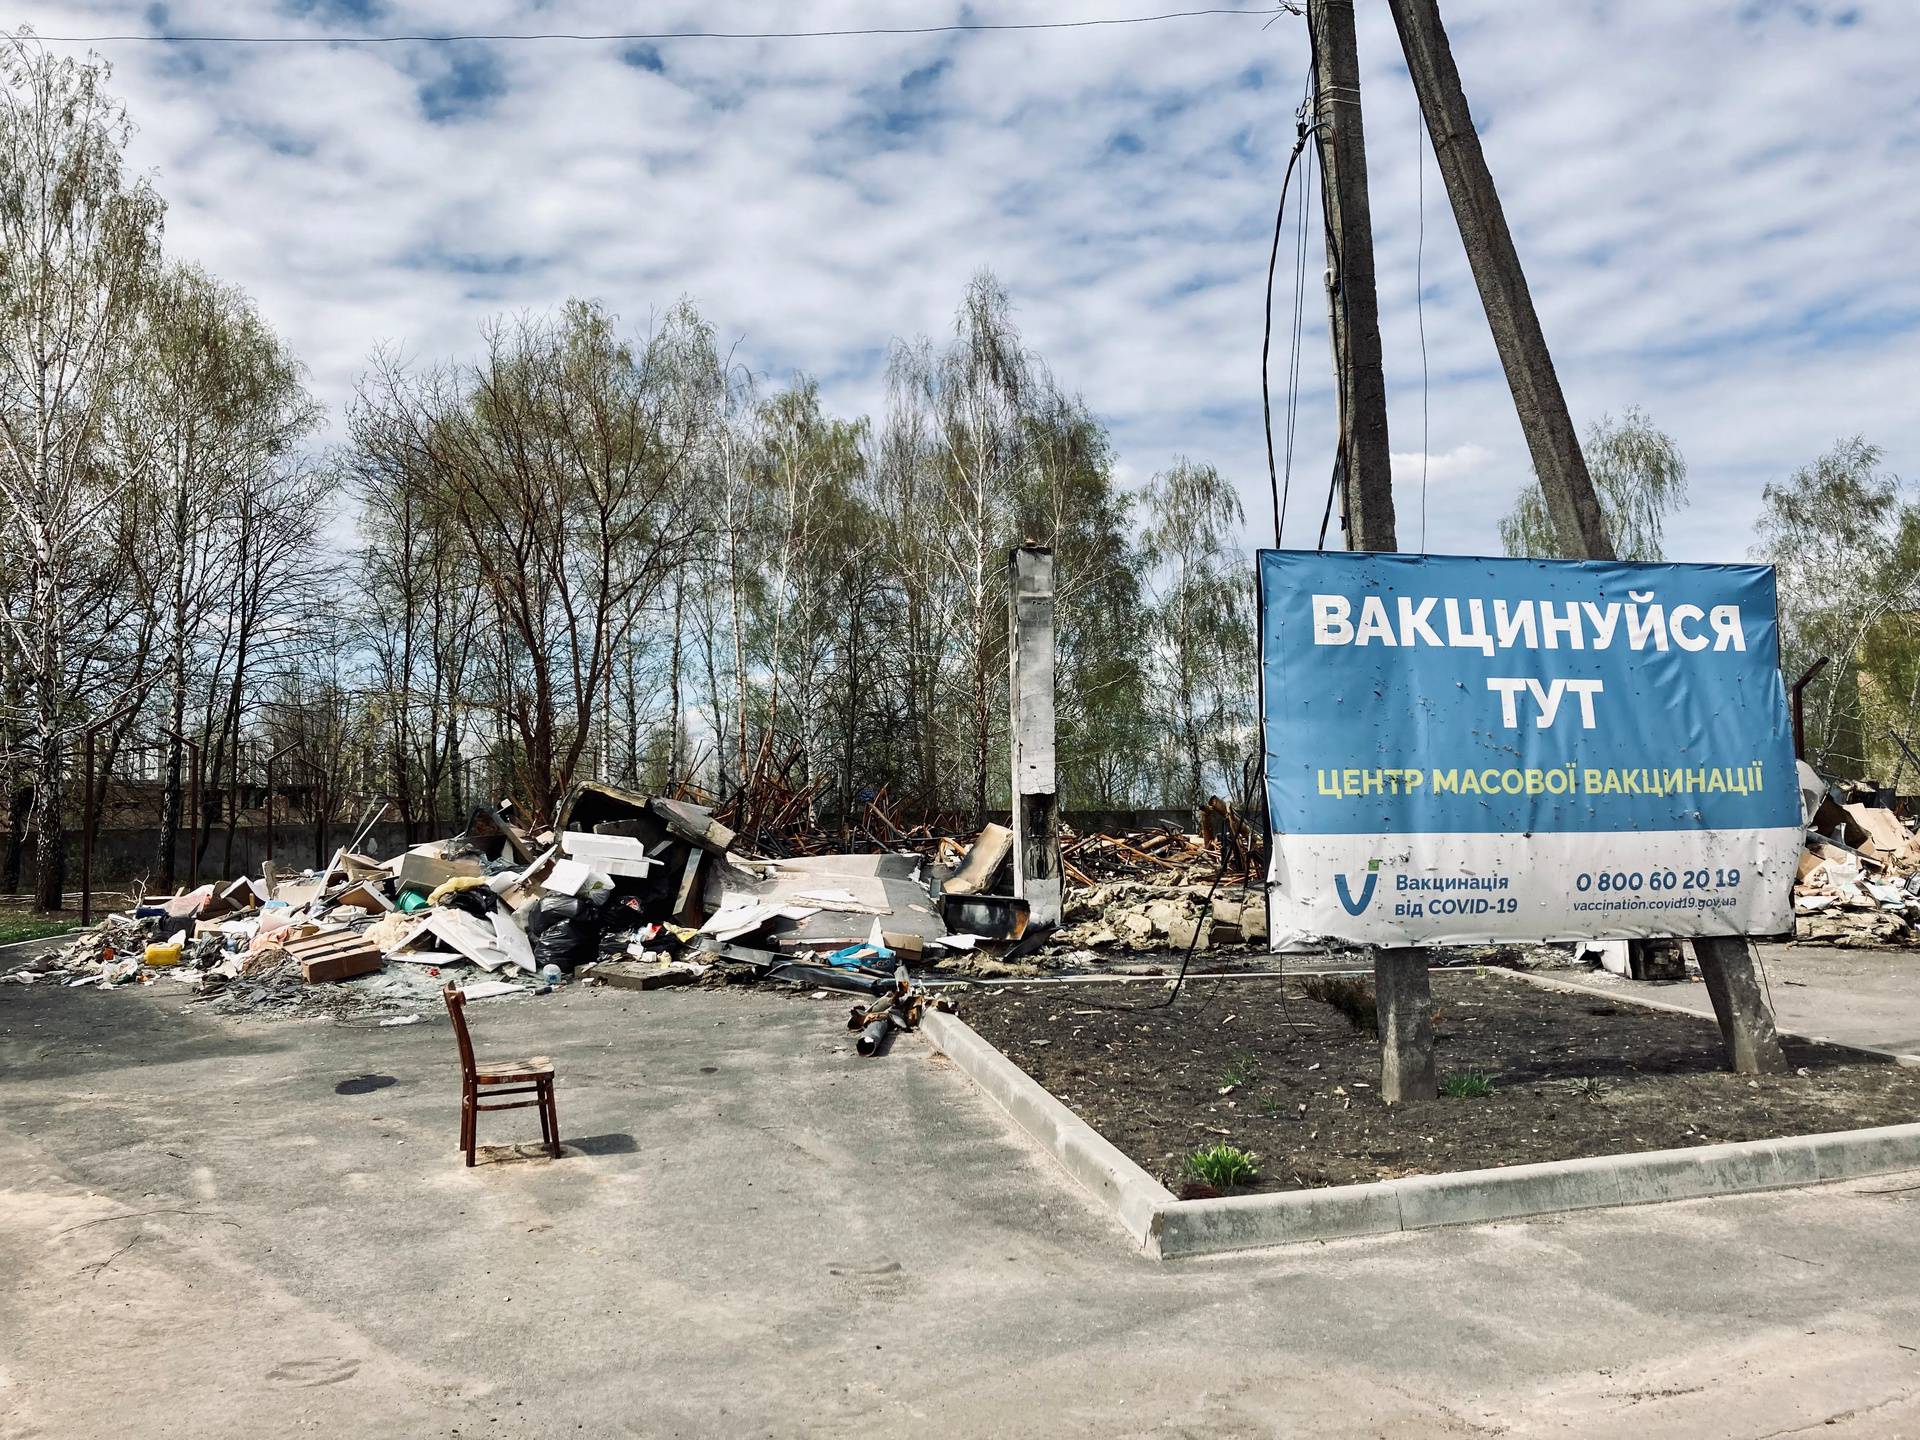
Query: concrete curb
column 1473, row 1197
column 1134, row 1196
column 1167, row 1228
column 1647, row 1002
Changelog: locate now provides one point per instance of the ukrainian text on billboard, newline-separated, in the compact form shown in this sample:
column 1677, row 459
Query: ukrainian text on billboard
column 1465, row 750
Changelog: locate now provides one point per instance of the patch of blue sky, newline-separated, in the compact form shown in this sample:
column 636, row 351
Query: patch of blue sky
column 469, row 80
column 643, row 56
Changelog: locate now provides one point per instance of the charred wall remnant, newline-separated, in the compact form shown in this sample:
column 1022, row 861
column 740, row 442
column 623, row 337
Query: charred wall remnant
column 1035, row 799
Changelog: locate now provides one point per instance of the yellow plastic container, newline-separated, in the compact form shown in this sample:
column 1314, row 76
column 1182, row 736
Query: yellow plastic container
column 161, row 956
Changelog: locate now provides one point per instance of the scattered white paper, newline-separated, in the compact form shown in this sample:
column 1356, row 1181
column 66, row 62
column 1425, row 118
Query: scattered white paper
column 961, row 941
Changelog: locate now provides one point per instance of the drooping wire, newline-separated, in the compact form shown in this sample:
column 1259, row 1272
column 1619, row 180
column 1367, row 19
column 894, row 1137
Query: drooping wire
column 1266, row 339
column 1420, row 296
column 1337, row 321
column 1193, row 941
column 612, row 35
column 1299, row 302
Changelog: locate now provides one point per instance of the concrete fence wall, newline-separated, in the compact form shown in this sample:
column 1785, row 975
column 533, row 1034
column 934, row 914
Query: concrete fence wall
column 122, row 857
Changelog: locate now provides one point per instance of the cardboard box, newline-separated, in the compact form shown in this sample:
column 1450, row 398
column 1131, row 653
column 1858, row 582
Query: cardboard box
column 422, row 869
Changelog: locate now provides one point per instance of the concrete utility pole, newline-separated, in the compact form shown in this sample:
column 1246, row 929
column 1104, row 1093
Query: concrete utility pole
column 1503, row 286
column 1726, row 961
column 1367, row 502
column 1403, row 994
column 1036, row 801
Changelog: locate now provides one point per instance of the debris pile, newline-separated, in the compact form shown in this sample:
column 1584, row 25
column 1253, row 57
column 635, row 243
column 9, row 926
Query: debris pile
column 1859, row 877
column 623, row 889
column 1165, row 855
column 1125, row 916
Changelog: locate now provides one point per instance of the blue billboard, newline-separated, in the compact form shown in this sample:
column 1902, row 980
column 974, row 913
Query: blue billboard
column 1575, row 749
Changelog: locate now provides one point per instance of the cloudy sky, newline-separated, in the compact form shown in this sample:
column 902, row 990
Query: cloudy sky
column 1717, row 203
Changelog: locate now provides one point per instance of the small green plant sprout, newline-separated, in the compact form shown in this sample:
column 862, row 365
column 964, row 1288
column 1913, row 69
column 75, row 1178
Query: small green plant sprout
column 1223, row 1166
column 1471, row 1085
column 1589, row 1088
column 1243, row 1072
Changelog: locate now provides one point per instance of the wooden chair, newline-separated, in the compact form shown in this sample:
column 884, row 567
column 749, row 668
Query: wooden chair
column 499, row 1077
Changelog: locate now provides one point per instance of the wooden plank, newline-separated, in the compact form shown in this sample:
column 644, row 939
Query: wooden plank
column 324, row 943
column 1126, row 849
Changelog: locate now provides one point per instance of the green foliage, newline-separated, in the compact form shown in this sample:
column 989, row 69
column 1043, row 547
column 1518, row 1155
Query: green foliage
column 1640, row 477
column 1223, row 1166
column 1201, row 630
column 1845, row 540
column 12, row 931
column 1068, row 495
column 1351, row 996
column 1471, row 1085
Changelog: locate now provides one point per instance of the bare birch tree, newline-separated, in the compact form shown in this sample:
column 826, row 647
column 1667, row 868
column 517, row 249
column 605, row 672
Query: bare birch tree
column 78, row 240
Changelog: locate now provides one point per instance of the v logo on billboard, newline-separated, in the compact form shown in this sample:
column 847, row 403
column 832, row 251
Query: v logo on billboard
column 1354, row 907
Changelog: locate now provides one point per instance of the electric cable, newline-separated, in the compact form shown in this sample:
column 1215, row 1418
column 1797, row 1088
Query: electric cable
column 1266, row 336
column 1299, row 312
column 1338, row 297
column 1420, row 296
column 1186, row 959
column 494, row 37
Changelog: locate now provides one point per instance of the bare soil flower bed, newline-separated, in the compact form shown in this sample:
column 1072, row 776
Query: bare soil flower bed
column 1259, row 1065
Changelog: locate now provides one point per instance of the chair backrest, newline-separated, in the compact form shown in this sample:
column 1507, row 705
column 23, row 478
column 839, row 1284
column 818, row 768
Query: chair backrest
column 457, row 1012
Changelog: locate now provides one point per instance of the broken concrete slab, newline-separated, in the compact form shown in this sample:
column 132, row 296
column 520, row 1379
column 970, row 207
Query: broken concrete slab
column 639, row 975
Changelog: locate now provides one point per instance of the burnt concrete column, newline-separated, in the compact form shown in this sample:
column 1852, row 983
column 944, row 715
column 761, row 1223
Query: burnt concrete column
column 1035, row 800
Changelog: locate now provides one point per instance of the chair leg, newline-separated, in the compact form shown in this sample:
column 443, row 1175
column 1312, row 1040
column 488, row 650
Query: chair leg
column 553, row 1123
column 540, row 1109
column 469, row 1130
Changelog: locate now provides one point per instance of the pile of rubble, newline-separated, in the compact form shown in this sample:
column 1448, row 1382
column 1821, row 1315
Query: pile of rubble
column 1859, row 876
column 624, row 889
column 1119, row 916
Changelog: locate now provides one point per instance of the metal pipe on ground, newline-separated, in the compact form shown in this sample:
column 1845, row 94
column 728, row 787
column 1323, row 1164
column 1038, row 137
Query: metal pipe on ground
column 828, row 978
column 873, row 1038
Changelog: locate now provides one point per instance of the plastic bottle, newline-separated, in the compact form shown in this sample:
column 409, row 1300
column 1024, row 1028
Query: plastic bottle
column 552, row 976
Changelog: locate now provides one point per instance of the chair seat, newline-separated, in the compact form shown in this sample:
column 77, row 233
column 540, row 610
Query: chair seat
column 494, row 1072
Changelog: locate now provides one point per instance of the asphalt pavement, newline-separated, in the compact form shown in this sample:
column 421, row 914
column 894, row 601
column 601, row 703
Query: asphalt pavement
column 213, row 1227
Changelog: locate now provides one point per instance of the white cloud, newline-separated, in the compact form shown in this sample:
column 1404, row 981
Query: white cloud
column 1462, row 461
column 1714, row 203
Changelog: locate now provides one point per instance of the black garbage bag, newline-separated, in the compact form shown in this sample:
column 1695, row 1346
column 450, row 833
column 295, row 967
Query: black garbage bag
column 565, row 931
column 476, row 900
